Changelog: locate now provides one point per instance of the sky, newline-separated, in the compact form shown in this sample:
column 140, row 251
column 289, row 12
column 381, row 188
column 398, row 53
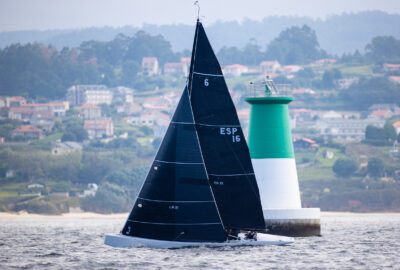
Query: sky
column 67, row 14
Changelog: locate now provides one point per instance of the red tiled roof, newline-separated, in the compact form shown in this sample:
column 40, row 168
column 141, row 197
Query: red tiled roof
column 392, row 65
column 21, row 109
column 300, row 110
column 235, row 66
column 26, row 128
column 89, row 106
column 44, row 104
column 395, row 78
column 307, row 140
column 396, row 124
column 97, row 124
column 380, row 112
column 17, row 98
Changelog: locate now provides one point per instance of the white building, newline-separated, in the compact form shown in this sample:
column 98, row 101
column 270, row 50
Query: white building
column 346, row 129
column 150, row 66
column 176, row 69
column 267, row 67
column 99, row 128
column 235, row 70
column 92, row 94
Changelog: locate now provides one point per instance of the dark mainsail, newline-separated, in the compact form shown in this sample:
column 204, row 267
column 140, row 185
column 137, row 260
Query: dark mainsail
column 201, row 180
column 222, row 143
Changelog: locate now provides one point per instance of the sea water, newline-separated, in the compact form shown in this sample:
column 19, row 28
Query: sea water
column 347, row 242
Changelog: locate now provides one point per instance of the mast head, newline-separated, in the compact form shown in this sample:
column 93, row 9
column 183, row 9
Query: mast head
column 196, row 3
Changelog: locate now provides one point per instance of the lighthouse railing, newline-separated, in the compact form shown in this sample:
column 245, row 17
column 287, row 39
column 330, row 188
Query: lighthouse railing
column 269, row 89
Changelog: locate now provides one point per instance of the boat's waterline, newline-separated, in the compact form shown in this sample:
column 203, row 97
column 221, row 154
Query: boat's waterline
column 123, row 241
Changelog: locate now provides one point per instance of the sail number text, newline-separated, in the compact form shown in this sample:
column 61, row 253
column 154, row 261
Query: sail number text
column 230, row 132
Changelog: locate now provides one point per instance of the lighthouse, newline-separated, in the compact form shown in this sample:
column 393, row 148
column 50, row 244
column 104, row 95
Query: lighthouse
column 273, row 158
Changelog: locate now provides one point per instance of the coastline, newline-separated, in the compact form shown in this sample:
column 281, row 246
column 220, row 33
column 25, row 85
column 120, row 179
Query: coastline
column 91, row 215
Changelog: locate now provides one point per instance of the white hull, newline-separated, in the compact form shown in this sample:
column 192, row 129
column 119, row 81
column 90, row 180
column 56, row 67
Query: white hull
column 129, row 241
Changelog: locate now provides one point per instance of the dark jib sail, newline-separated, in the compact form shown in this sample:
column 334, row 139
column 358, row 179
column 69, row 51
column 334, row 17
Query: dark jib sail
column 176, row 202
column 201, row 180
column 222, row 143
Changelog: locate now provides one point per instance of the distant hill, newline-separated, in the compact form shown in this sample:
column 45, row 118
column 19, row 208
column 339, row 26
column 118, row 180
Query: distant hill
column 337, row 34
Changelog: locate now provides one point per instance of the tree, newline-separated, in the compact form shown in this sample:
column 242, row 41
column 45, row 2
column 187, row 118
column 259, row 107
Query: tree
column 374, row 133
column 390, row 132
column 375, row 167
column 229, row 55
column 251, row 53
column 345, row 167
column 295, row 45
column 383, row 48
column 68, row 137
column 329, row 77
column 370, row 91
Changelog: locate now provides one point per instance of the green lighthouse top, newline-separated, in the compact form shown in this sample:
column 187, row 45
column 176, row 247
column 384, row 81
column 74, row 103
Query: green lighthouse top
column 268, row 92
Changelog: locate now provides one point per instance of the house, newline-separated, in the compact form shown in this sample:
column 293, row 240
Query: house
column 27, row 131
column 10, row 173
column 34, row 186
column 158, row 103
column 345, row 129
column 149, row 118
column 99, row 128
column 396, row 126
column 43, row 120
column 291, row 69
column 391, row 107
column 395, row 79
column 60, row 148
column 332, row 115
column 123, row 93
column 325, row 61
column 345, row 83
column 56, row 109
column 16, row 101
column 90, row 111
column 78, row 95
column 176, row 69
column 305, row 143
column 268, row 67
column 235, row 70
column 129, row 108
column 301, row 114
column 303, row 91
column 150, row 66
column 382, row 114
column 186, row 61
column 90, row 192
column 391, row 67
column 20, row 113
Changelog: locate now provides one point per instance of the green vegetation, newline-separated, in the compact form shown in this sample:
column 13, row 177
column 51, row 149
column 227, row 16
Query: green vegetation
column 345, row 167
column 337, row 185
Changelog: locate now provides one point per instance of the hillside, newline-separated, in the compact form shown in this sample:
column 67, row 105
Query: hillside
column 337, row 34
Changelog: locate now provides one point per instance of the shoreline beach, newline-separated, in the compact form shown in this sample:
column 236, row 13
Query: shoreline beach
column 91, row 215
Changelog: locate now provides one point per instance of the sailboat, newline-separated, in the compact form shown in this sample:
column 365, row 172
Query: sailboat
column 201, row 183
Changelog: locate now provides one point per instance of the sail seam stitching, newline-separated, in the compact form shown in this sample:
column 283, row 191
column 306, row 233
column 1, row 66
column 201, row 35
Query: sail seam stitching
column 164, row 223
column 240, row 174
column 175, row 201
column 208, row 74
column 200, row 124
column 174, row 162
